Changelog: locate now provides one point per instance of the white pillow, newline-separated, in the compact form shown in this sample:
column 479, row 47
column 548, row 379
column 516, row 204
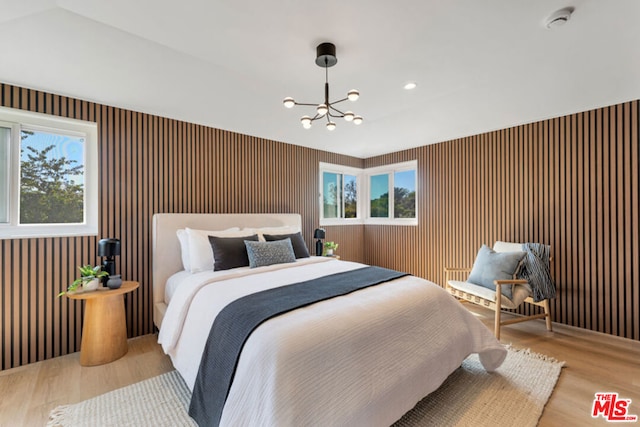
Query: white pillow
column 507, row 247
column 286, row 229
column 183, row 237
column 200, row 252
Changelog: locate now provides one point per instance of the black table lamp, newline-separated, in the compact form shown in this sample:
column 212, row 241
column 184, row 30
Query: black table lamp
column 319, row 234
column 108, row 248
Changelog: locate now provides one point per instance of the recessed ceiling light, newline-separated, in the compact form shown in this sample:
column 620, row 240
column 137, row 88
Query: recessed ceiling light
column 559, row 17
column 410, row 85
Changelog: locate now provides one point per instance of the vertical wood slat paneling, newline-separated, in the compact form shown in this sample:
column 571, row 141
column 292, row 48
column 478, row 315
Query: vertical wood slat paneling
column 571, row 182
column 148, row 164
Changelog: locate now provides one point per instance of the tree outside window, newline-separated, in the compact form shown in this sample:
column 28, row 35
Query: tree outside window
column 51, row 178
column 339, row 195
column 379, row 196
column 404, row 194
column 399, row 204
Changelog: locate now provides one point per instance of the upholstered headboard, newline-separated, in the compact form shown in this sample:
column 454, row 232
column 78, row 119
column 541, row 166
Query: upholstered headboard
column 166, row 258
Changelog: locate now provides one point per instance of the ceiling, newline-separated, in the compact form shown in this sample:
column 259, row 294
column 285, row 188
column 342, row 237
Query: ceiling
column 479, row 65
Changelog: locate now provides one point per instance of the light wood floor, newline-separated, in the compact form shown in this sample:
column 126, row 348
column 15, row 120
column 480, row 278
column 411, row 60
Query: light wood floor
column 594, row 363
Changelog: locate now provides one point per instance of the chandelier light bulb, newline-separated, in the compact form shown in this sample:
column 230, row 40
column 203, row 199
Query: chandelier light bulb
column 357, row 120
column 331, row 126
column 322, row 109
column 348, row 116
column 306, row 122
column 353, row 95
column 289, row 102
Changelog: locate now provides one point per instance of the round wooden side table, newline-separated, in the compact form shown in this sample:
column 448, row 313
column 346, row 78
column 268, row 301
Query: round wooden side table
column 104, row 332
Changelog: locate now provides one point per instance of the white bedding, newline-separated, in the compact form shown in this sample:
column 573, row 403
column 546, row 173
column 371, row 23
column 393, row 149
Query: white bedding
column 361, row 359
column 173, row 283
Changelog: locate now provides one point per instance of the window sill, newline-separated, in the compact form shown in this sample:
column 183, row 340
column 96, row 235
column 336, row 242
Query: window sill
column 368, row 221
column 388, row 221
column 337, row 221
column 41, row 231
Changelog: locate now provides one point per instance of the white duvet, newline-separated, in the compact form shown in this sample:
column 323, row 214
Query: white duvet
column 361, row 359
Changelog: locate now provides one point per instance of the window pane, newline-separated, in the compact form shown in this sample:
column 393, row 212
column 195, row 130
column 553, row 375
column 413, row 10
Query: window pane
column 51, row 178
column 5, row 140
column 404, row 194
column 331, row 185
column 350, row 197
column 379, row 196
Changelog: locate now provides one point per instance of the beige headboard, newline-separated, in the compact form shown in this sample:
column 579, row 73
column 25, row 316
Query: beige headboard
column 166, row 259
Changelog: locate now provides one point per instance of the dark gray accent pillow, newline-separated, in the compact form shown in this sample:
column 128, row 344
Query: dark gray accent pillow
column 298, row 243
column 269, row 253
column 230, row 252
column 491, row 265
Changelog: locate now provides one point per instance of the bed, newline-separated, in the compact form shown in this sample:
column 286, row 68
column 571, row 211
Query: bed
column 365, row 358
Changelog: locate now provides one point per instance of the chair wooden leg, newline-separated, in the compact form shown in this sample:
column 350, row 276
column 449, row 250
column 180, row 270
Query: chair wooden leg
column 498, row 311
column 547, row 312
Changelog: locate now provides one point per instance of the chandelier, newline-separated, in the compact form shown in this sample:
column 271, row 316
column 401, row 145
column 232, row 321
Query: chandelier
column 326, row 57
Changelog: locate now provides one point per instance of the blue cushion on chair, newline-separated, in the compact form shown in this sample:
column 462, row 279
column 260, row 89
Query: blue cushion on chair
column 491, row 265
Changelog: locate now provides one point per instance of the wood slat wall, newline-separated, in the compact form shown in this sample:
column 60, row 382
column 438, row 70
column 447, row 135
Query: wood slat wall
column 570, row 182
column 148, row 164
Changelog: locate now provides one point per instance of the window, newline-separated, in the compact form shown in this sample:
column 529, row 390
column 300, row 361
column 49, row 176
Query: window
column 404, row 194
column 381, row 195
column 339, row 193
column 379, row 200
column 392, row 194
column 48, row 175
column 5, row 140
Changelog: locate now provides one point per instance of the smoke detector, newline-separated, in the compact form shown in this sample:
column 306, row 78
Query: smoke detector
column 559, row 17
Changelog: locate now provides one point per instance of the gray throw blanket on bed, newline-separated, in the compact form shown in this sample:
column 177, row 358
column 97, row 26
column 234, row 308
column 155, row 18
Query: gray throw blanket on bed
column 535, row 269
column 236, row 322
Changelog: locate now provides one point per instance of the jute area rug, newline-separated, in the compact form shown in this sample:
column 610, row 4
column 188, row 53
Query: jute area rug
column 514, row 395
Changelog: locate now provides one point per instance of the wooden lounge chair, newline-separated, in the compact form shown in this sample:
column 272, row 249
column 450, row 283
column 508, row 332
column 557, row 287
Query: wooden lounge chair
column 521, row 292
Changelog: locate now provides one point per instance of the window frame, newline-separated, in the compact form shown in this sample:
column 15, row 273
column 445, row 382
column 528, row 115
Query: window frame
column 20, row 119
column 9, row 168
column 342, row 170
column 391, row 170
column 363, row 199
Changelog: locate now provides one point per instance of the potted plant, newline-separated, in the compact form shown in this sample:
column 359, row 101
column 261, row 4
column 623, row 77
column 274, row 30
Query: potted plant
column 89, row 279
column 329, row 247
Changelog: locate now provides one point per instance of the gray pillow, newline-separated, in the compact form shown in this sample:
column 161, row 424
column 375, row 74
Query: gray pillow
column 268, row 253
column 230, row 252
column 490, row 265
column 299, row 246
